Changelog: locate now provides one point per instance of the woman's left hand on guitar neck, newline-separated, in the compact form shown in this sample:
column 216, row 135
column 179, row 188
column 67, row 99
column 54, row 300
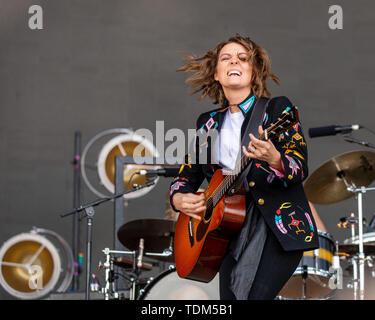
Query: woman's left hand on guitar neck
column 263, row 150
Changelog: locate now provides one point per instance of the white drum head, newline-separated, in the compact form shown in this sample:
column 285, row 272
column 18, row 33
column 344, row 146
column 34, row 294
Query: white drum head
column 169, row 286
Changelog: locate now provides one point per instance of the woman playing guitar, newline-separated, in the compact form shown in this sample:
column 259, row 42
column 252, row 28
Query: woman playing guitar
column 278, row 225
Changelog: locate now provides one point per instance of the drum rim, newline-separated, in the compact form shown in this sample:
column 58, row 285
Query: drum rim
column 311, row 270
column 150, row 285
column 55, row 257
column 325, row 234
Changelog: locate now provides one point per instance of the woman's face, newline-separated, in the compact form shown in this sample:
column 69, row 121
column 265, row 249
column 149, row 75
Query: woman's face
column 233, row 70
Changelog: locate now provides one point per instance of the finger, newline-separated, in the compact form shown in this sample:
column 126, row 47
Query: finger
column 194, row 216
column 192, row 198
column 260, row 130
column 195, row 213
column 200, row 209
column 258, row 143
column 192, row 206
column 251, row 148
column 246, row 153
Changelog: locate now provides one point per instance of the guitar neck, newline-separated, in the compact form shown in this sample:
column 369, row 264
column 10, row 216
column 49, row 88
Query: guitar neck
column 229, row 181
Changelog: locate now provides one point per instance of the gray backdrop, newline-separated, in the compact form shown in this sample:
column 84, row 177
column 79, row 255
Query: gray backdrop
column 102, row 64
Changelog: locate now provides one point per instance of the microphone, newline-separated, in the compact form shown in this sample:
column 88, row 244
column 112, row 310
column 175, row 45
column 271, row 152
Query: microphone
column 165, row 172
column 140, row 253
column 332, row 130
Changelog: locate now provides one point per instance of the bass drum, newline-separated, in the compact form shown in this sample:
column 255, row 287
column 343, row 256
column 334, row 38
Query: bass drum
column 169, row 286
column 36, row 263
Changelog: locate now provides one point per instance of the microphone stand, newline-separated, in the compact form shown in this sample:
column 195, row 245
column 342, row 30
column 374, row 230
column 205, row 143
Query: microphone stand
column 362, row 143
column 89, row 213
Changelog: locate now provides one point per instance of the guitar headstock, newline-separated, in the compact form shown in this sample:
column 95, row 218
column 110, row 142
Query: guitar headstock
column 287, row 120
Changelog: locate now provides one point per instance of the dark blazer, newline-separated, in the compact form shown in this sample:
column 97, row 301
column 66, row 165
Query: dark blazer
column 280, row 199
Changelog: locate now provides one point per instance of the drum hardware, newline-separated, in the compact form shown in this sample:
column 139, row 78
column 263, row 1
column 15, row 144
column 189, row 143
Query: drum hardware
column 157, row 233
column 371, row 225
column 352, row 221
column 95, row 283
column 350, row 139
column 89, row 212
column 128, row 263
column 110, row 290
column 361, row 256
column 304, row 277
column 167, row 253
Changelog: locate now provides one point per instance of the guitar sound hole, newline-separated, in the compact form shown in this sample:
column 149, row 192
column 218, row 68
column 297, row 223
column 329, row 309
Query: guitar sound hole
column 201, row 230
column 208, row 213
column 203, row 225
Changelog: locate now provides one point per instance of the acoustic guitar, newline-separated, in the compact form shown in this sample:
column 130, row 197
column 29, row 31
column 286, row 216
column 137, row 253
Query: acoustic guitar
column 201, row 245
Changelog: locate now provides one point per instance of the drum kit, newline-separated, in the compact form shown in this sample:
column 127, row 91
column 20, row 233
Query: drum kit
column 319, row 274
column 153, row 239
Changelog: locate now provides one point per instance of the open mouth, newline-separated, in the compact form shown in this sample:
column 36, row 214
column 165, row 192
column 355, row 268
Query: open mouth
column 234, row 73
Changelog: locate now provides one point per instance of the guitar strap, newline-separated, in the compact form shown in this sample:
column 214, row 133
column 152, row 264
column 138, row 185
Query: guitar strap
column 255, row 121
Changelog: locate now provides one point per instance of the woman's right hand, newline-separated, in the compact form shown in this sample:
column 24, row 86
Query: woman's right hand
column 190, row 204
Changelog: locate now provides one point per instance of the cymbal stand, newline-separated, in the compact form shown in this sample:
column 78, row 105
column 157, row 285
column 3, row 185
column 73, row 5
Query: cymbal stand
column 361, row 256
column 353, row 222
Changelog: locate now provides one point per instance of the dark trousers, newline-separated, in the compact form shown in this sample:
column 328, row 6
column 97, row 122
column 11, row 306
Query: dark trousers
column 275, row 268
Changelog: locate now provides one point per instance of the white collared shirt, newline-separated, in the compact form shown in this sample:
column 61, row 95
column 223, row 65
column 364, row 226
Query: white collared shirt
column 230, row 139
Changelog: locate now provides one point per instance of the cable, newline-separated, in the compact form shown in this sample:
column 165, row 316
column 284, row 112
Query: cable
column 373, row 132
column 131, row 177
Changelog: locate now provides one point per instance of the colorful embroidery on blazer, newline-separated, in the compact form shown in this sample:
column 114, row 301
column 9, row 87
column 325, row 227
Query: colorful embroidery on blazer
column 295, row 223
column 278, row 219
column 246, row 106
column 183, row 166
column 271, row 175
column 293, row 165
column 309, row 238
column 176, row 186
column 295, row 153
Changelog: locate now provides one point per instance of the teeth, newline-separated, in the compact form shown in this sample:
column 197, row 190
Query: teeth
column 234, row 73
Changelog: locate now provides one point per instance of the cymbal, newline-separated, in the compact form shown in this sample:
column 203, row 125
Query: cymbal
column 352, row 249
column 328, row 184
column 158, row 235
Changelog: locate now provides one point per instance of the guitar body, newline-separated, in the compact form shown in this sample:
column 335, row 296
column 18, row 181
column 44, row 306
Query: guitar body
column 200, row 246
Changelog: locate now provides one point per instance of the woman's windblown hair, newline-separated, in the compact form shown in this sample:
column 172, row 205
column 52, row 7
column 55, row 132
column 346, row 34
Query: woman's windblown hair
column 203, row 69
